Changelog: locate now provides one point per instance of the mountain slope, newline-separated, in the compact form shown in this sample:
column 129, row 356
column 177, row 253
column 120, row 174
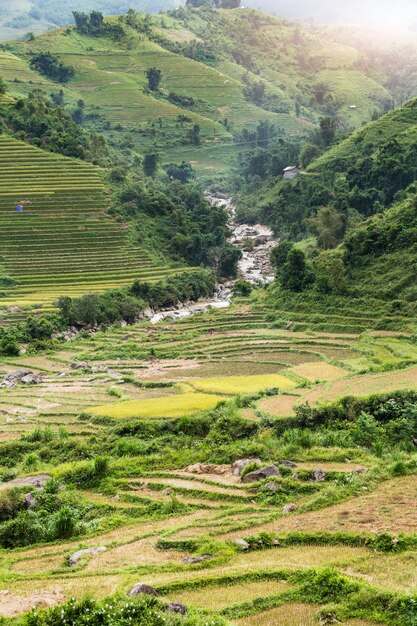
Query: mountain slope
column 399, row 125
column 286, row 75
column 63, row 243
column 18, row 17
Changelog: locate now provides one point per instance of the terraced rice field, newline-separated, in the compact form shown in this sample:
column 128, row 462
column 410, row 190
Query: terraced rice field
column 64, row 242
column 163, row 508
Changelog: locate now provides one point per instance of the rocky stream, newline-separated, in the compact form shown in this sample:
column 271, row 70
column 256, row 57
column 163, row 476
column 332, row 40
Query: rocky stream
column 255, row 241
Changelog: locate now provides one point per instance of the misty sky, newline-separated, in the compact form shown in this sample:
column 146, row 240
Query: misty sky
column 374, row 12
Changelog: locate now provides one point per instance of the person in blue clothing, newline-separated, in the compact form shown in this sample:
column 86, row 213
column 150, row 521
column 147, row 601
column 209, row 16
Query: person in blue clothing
column 19, row 208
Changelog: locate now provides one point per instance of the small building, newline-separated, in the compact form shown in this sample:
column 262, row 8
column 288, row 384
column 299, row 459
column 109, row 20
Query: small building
column 291, row 172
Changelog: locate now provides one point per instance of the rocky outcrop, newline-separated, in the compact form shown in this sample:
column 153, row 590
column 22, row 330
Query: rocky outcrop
column 142, row 589
column 260, row 474
column 290, row 464
column 37, row 481
column 239, row 465
column 241, row 544
column 176, row 607
column 29, row 501
column 207, row 468
column 27, row 377
column 289, row 508
column 318, row 475
column 77, row 556
column 193, row 560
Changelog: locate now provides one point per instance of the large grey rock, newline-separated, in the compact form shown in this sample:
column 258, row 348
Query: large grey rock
column 37, row 481
column 32, row 379
column 30, row 501
column 318, row 475
column 271, row 487
column 176, row 607
column 239, row 465
column 12, row 379
column 193, row 560
column 80, row 365
column 241, row 544
column 260, row 474
column 290, row 464
column 77, row 556
column 142, row 589
column 289, row 508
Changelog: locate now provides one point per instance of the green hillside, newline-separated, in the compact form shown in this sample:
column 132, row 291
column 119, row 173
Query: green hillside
column 64, row 242
column 19, row 17
column 398, row 125
column 287, row 76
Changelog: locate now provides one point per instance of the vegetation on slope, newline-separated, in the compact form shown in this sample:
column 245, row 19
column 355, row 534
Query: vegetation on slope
column 206, row 81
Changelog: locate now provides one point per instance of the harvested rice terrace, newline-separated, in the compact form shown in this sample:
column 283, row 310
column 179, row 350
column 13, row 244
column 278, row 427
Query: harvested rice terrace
column 162, row 505
column 64, row 241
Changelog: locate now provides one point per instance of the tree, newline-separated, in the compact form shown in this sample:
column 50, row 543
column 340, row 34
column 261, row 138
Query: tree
column 330, row 273
column 96, row 22
column 279, row 254
column 328, row 127
column 154, row 76
column 194, row 135
column 51, row 66
column 295, row 274
column 81, row 21
column 150, row 164
column 184, row 172
column 328, row 225
column 3, row 87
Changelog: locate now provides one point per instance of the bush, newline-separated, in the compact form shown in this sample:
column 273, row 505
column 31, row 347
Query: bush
column 65, row 524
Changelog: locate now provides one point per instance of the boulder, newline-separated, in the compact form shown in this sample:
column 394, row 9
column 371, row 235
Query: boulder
column 176, row 607
column 80, row 365
column 31, row 379
column 241, row 544
column 271, row 487
column 261, row 240
column 142, row 589
column 12, row 379
column 167, row 491
column 193, row 560
column 287, row 464
column 37, row 481
column 77, row 556
column 289, row 508
column 260, row 474
column 318, row 475
column 239, row 465
column 30, row 501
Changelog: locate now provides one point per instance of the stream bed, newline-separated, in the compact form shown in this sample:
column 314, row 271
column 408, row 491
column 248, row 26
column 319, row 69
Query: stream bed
column 255, row 241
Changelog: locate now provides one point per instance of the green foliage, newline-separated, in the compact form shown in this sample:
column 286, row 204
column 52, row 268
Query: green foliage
column 115, row 611
column 52, row 67
column 154, row 76
column 295, row 274
column 95, row 26
column 150, row 164
column 183, row 172
column 38, row 121
column 242, row 288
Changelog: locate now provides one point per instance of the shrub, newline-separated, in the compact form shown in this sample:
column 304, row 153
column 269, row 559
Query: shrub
column 65, row 523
